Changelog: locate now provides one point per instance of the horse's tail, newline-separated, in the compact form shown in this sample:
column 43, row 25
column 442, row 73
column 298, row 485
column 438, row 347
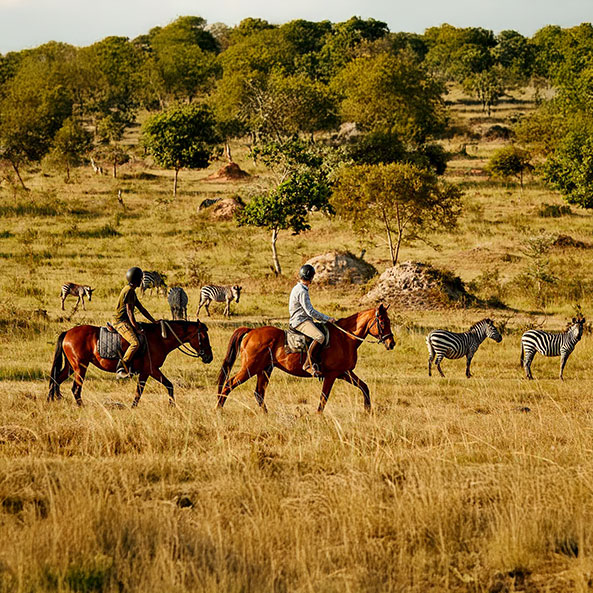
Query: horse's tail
column 231, row 355
column 57, row 367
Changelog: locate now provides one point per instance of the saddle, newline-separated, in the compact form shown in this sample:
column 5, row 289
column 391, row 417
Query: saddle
column 296, row 342
column 110, row 343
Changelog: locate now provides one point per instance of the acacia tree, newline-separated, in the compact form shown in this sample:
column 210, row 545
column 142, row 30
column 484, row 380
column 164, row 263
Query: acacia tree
column 184, row 136
column 70, row 143
column 302, row 185
column 510, row 161
column 401, row 199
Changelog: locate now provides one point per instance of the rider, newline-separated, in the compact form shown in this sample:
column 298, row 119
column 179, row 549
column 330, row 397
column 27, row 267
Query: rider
column 302, row 315
column 125, row 323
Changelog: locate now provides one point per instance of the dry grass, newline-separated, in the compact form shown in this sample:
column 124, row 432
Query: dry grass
column 481, row 485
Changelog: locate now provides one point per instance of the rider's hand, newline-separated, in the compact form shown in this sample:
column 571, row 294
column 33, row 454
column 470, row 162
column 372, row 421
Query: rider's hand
column 140, row 329
column 332, row 320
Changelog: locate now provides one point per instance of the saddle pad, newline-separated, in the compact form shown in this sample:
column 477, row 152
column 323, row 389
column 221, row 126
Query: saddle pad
column 109, row 344
column 296, row 342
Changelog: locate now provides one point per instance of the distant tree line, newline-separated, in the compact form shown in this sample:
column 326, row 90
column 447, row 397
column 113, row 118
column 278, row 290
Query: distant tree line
column 282, row 86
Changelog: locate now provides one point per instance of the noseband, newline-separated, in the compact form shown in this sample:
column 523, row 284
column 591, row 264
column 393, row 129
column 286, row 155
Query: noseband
column 380, row 329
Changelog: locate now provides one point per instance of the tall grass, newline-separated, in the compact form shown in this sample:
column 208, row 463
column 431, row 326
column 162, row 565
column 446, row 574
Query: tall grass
column 480, row 485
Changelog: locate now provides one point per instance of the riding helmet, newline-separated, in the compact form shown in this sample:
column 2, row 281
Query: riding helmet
column 307, row 272
column 134, row 275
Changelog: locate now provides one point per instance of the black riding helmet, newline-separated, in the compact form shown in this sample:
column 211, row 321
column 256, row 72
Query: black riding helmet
column 134, row 275
column 307, row 272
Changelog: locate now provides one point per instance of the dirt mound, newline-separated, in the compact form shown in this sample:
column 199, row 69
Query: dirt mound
column 230, row 172
column 225, row 209
column 414, row 285
column 568, row 241
column 341, row 267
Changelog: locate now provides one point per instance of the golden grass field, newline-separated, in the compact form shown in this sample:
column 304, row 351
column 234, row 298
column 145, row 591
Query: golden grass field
column 480, row 485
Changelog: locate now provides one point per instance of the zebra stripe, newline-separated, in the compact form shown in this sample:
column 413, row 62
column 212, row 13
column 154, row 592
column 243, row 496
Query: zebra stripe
column 446, row 344
column 177, row 299
column 77, row 290
column 550, row 344
column 219, row 294
column 151, row 280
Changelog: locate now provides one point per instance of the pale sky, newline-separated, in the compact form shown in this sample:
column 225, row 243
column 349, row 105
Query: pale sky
column 29, row 23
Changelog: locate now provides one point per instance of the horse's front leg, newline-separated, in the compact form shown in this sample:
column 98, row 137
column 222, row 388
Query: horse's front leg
column 142, row 378
column 351, row 378
column 164, row 381
column 328, row 383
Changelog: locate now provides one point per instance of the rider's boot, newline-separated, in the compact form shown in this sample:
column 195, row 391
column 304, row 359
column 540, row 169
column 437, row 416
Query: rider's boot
column 122, row 371
column 311, row 365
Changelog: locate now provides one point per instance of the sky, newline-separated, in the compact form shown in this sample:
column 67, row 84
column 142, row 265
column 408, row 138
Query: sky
column 29, row 23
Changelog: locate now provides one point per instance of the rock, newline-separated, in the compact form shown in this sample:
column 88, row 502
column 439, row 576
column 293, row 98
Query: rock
column 341, row 267
column 567, row 241
column 225, row 209
column 230, row 172
column 415, row 285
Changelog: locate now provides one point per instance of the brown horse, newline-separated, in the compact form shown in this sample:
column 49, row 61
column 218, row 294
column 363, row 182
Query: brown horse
column 262, row 349
column 79, row 346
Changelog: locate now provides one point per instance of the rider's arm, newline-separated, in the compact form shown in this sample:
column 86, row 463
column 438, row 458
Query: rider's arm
column 130, row 311
column 308, row 307
column 145, row 312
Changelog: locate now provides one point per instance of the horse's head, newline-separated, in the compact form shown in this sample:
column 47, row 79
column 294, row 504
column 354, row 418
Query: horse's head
column 200, row 342
column 380, row 327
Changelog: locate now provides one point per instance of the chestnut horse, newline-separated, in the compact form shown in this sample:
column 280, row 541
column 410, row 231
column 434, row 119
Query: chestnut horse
column 79, row 346
column 262, row 349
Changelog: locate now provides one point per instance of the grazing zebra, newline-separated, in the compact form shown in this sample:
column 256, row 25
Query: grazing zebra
column 151, row 280
column 550, row 344
column 445, row 344
column 177, row 299
column 77, row 290
column 219, row 294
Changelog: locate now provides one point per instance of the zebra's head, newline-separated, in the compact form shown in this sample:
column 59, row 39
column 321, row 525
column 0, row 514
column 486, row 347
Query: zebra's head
column 88, row 291
column 576, row 327
column 236, row 290
column 486, row 326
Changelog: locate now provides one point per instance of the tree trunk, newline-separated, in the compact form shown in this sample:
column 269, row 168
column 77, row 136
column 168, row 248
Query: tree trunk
column 115, row 168
column 67, row 172
column 227, row 152
column 175, row 183
column 277, row 268
column 18, row 174
column 392, row 251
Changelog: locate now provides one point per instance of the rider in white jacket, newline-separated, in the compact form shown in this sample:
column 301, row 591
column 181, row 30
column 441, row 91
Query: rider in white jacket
column 302, row 316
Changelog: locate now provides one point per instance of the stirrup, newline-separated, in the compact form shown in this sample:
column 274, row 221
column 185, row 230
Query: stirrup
column 121, row 371
column 314, row 370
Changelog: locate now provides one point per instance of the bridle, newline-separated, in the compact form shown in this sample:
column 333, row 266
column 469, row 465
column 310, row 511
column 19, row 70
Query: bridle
column 183, row 348
column 380, row 329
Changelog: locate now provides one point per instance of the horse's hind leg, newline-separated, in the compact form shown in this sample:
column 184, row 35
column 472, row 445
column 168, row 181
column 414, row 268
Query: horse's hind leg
column 79, row 374
column 54, row 390
column 351, row 378
column 230, row 384
column 142, row 378
column 263, row 379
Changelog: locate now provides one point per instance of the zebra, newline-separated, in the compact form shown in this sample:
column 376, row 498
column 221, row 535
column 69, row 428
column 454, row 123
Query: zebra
column 77, row 290
column 550, row 344
column 151, row 280
column 219, row 294
column 445, row 344
column 177, row 299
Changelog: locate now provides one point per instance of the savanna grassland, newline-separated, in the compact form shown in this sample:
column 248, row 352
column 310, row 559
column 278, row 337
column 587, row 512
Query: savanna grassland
column 482, row 485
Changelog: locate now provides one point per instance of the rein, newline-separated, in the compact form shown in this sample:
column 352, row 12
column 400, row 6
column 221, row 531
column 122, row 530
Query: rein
column 378, row 341
column 182, row 347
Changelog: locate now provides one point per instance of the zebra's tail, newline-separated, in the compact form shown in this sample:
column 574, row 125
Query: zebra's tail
column 231, row 355
column 57, row 367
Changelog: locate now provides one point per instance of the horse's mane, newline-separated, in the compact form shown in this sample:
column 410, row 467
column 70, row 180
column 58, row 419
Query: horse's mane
column 355, row 315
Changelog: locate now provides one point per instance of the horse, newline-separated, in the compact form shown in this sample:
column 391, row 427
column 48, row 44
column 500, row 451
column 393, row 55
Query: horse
column 262, row 349
column 79, row 346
